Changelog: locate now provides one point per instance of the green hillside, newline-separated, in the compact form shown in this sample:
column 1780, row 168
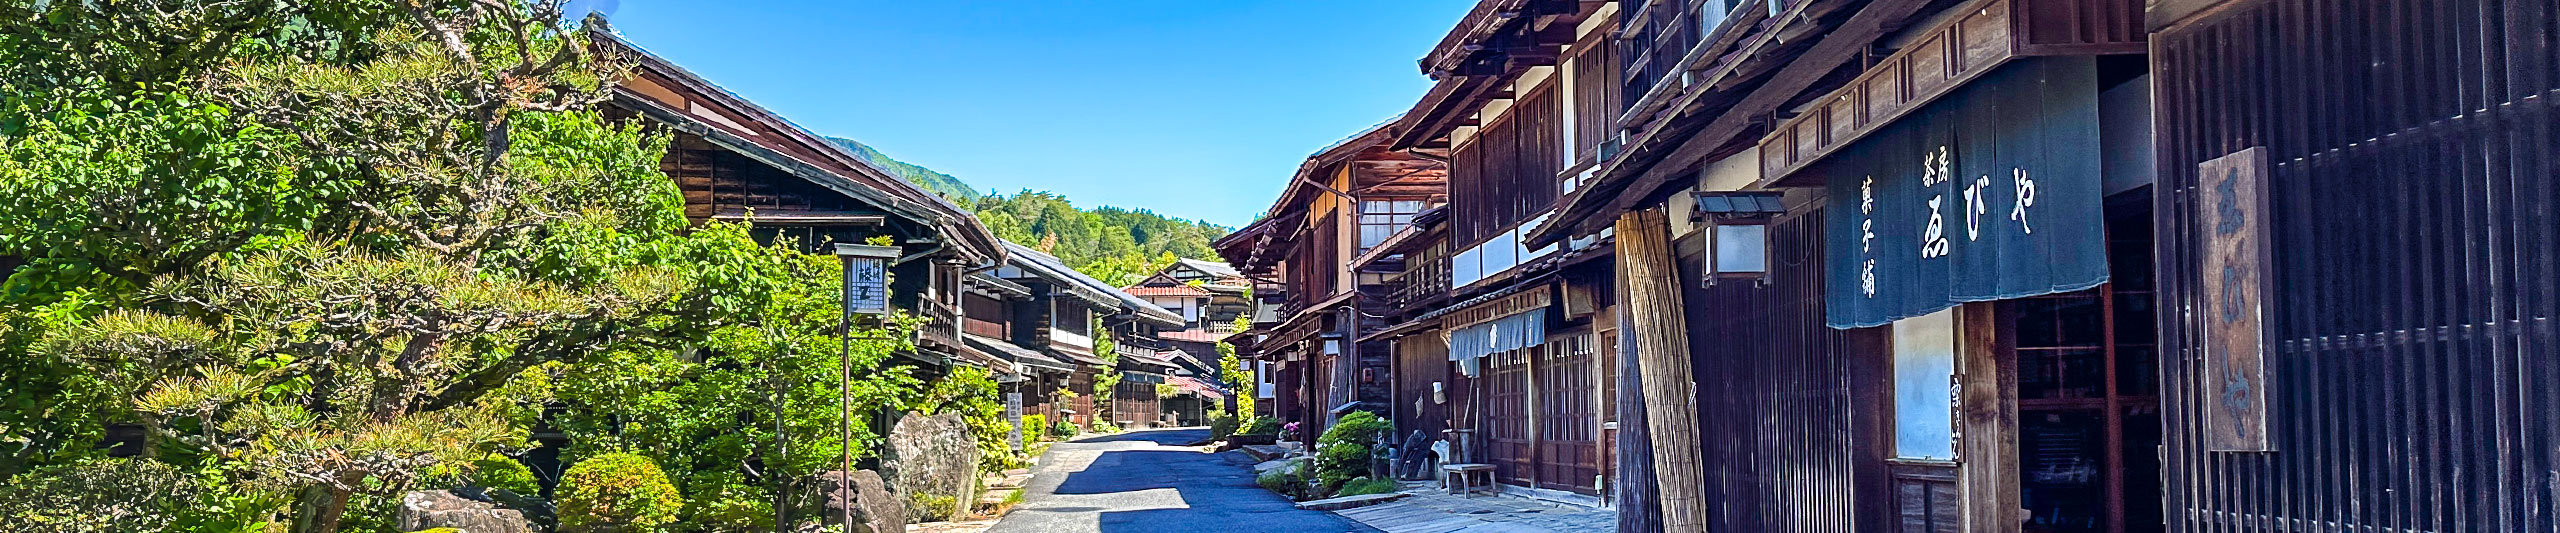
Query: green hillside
column 1116, row 245
column 943, row 184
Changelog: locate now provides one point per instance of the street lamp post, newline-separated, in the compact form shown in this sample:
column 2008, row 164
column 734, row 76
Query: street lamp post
column 866, row 292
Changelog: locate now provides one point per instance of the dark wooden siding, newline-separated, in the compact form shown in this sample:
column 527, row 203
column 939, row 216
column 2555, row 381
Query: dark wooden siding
column 1134, row 404
column 1793, row 413
column 1597, row 100
column 1506, row 174
column 1422, row 360
column 987, row 317
column 1568, row 411
column 1510, row 446
column 2093, row 25
column 717, row 181
column 2411, row 382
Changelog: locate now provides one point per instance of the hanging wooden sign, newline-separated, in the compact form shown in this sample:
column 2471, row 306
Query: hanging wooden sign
column 2232, row 215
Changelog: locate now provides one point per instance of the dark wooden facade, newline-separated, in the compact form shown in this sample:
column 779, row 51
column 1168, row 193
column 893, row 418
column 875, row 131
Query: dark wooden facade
column 1505, row 174
column 1796, row 415
column 2409, row 379
column 1308, row 241
column 734, row 161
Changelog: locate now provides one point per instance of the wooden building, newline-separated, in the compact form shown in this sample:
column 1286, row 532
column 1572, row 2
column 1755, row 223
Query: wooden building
column 2355, row 264
column 1910, row 252
column 1210, row 296
column 1499, row 347
column 1059, row 318
column 737, row 162
column 1342, row 200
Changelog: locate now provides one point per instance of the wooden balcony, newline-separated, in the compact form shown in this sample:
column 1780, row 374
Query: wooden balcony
column 941, row 325
column 985, row 328
column 1424, row 280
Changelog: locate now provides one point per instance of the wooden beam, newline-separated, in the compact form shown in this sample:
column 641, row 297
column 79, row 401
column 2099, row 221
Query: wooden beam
column 1849, row 41
column 1987, row 374
column 1639, row 509
column 1661, row 341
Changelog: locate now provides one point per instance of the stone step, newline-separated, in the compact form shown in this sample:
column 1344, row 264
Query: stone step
column 1264, row 453
column 1348, row 502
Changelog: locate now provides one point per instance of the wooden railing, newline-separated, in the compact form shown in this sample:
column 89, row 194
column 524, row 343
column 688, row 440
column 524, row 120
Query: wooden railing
column 1423, row 280
column 941, row 324
column 1126, row 349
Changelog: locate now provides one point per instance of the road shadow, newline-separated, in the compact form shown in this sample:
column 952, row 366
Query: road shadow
column 1168, row 437
column 1216, row 491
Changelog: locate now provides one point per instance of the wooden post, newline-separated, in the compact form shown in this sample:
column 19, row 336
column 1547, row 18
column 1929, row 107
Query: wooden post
column 1988, row 374
column 1658, row 331
column 1639, row 509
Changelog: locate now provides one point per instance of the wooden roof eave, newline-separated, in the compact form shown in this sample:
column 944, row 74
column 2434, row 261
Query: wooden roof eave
column 1654, row 157
column 686, row 123
column 978, row 244
column 1464, row 83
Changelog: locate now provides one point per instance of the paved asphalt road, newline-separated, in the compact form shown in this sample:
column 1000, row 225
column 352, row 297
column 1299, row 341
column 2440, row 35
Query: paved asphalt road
column 1142, row 481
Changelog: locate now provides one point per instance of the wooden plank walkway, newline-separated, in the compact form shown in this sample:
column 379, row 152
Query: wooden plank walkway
column 1432, row 511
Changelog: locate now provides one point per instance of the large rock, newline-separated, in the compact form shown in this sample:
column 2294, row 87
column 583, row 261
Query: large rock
column 433, row 509
column 932, row 461
column 876, row 508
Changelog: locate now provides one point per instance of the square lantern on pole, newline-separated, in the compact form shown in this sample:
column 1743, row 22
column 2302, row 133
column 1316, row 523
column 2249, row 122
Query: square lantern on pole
column 1737, row 233
column 866, row 292
column 866, row 277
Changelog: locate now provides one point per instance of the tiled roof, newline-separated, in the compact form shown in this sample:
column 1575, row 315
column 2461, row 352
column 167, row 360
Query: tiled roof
column 1191, row 335
column 1212, row 268
column 1177, row 290
column 1195, row 386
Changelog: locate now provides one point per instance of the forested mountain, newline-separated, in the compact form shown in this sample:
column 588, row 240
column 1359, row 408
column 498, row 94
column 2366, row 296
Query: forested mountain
column 1112, row 244
column 943, row 184
column 1115, row 245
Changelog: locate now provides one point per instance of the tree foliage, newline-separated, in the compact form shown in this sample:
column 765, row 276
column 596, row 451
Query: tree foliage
column 325, row 252
column 616, row 493
column 1117, row 246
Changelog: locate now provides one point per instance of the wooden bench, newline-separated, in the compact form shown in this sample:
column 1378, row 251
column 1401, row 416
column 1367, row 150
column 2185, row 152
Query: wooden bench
column 1465, row 476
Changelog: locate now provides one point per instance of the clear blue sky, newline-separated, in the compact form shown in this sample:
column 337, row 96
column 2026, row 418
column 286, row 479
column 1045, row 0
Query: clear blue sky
column 1196, row 109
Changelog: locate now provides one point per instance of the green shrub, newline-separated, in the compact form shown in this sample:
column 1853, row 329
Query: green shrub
column 731, row 508
column 1290, row 482
column 1063, row 429
column 502, row 472
column 1345, row 450
column 1105, row 427
column 105, row 495
column 617, row 492
column 1365, row 485
column 1221, row 426
column 930, row 507
column 1034, row 428
column 1262, row 425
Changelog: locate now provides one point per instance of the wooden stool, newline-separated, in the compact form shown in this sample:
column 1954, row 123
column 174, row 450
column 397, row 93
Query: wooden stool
column 1466, row 475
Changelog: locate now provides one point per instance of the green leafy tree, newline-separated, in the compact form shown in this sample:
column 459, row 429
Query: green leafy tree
column 1106, row 381
column 1232, row 371
column 1117, row 246
column 299, row 268
column 972, row 393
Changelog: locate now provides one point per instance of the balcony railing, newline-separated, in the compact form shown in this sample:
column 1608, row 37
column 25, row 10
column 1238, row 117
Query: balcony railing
column 1127, row 350
column 1423, row 280
column 941, row 324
